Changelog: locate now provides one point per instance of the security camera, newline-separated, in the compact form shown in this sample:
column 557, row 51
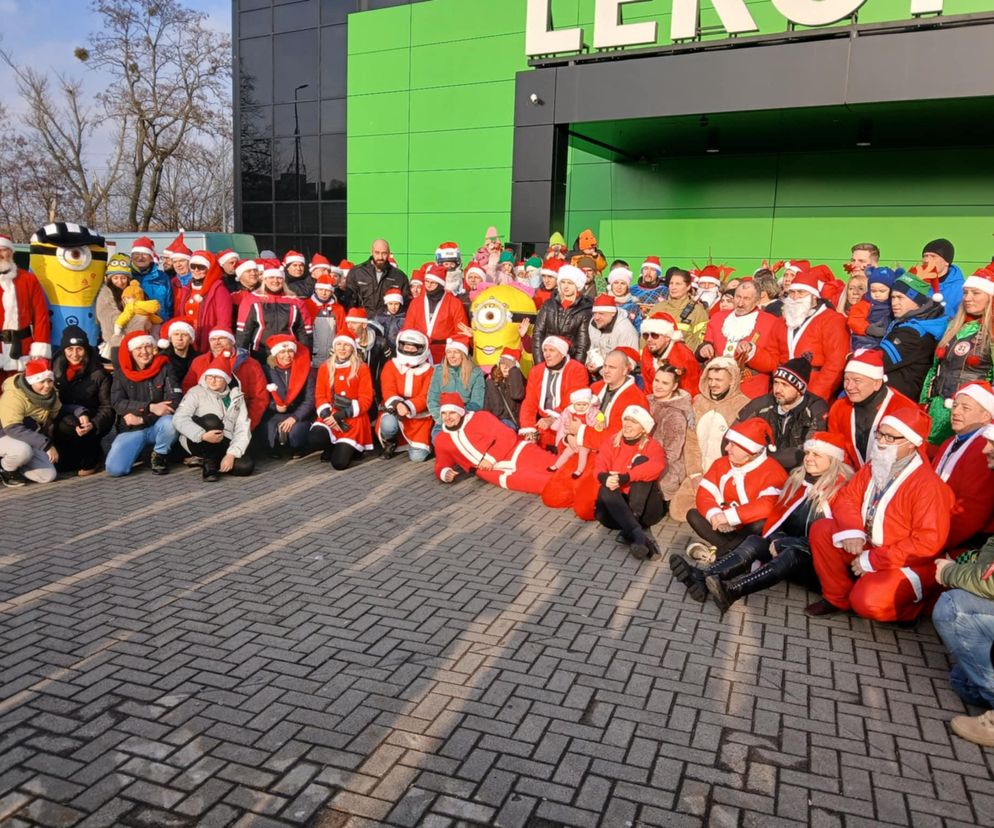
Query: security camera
column 533, row 98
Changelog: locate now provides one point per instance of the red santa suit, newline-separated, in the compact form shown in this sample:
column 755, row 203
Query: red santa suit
column 743, row 494
column 842, row 421
column 249, row 374
column 547, row 393
column 408, row 384
column 678, row 355
column 962, row 466
column 25, row 326
column 903, row 530
column 620, row 459
column 206, row 307
column 336, row 379
column 822, row 337
column 517, row 465
column 437, row 325
column 766, row 336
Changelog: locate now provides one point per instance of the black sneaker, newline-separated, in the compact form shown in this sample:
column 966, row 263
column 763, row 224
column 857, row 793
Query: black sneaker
column 11, row 479
column 211, row 474
column 389, row 447
column 158, row 463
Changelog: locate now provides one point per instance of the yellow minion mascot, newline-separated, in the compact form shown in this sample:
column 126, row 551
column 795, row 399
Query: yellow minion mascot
column 69, row 261
column 502, row 318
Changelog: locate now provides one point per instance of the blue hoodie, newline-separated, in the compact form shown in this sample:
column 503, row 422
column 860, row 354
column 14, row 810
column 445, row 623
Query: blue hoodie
column 157, row 285
column 951, row 288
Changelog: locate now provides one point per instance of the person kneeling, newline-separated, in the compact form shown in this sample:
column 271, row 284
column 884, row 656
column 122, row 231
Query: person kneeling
column 28, row 410
column 782, row 551
column 628, row 468
column 213, row 423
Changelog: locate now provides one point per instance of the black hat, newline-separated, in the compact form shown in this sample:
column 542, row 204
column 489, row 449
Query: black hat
column 74, row 335
column 943, row 248
column 796, row 372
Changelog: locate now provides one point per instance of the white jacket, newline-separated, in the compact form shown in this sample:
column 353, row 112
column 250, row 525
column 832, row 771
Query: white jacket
column 200, row 400
column 622, row 335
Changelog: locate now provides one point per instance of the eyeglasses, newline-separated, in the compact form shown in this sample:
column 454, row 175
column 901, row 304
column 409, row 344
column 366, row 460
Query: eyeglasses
column 889, row 439
column 655, row 336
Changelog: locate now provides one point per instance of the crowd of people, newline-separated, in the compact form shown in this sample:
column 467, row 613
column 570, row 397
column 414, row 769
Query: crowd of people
column 837, row 433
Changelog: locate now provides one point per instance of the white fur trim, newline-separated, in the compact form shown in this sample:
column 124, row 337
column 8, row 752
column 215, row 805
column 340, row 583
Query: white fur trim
column 978, row 283
column 138, row 341
column 451, row 408
column 988, row 432
column 459, row 346
column 294, row 260
column 140, row 248
column 640, row 416
column 33, row 378
column 979, row 394
column 558, row 343
column 248, row 264
column 741, row 440
column 864, row 561
column 202, row 260
column 620, row 274
column 899, row 425
column 225, row 257
column 857, row 367
column 569, row 273
column 220, row 332
column 848, row 534
column 821, row 447
column 40, row 350
column 283, row 346
column 217, row 372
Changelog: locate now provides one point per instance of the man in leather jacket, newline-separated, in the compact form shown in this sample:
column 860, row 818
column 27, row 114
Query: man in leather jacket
column 367, row 284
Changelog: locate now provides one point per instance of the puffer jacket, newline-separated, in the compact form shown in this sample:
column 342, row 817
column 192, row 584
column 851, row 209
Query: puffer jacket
column 25, row 416
column 570, row 323
column 674, row 418
column 790, row 430
column 909, row 347
column 130, row 396
column 89, row 389
column 200, row 400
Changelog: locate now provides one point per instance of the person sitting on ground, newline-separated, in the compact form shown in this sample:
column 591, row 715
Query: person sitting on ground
column 144, row 393
column 781, row 551
column 737, row 494
column 29, row 407
column 505, row 388
column 289, row 387
column 673, row 413
column 212, row 422
column 404, row 420
column 876, row 555
column 82, row 383
column 457, row 374
column 628, row 469
column 344, row 397
column 792, row 411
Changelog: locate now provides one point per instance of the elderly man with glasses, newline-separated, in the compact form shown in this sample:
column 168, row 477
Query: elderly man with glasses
column 876, row 556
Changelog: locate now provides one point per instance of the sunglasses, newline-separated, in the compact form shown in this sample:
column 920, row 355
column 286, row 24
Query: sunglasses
column 198, row 267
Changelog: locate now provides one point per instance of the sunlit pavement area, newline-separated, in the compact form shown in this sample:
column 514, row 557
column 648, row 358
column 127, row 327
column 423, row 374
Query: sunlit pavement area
column 370, row 647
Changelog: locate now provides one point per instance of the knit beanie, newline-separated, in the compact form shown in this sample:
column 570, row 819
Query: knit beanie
column 73, row 335
column 506, row 256
column 883, row 276
column 914, row 288
column 943, row 248
column 795, row 372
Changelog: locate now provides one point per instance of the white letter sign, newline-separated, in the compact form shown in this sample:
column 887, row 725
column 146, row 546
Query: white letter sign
column 816, row 12
column 610, row 31
column 539, row 40
column 733, row 14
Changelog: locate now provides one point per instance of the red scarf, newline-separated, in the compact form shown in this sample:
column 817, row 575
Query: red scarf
column 140, row 374
column 300, row 370
column 73, row 370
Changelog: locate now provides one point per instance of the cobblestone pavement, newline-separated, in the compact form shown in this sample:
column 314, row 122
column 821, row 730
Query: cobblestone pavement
column 370, row 647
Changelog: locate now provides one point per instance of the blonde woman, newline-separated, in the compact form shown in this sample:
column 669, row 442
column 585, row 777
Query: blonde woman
column 344, row 396
column 459, row 374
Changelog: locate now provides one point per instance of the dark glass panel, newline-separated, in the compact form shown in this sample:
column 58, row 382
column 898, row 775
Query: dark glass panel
column 255, row 71
column 256, row 122
column 333, row 215
column 296, row 170
column 295, row 64
column 309, row 217
column 257, row 166
column 254, row 23
column 333, row 115
column 302, row 15
column 334, row 60
column 287, row 218
column 334, row 247
column 333, row 169
column 257, row 218
column 307, row 114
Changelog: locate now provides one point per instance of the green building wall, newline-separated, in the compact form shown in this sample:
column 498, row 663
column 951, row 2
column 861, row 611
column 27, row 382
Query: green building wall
column 431, row 121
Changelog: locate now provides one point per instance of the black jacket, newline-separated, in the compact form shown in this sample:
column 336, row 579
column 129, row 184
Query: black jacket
column 362, row 289
column 504, row 400
column 130, row 397
column 302, row 286
column 302, row 406
column 569, row 323
column 790, row 430
column 909, row 348
column 90, row 389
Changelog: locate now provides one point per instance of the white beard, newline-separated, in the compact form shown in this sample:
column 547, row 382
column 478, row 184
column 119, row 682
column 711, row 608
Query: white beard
column 7, row 267
column 708, row 297
column 453, row 281
column 795, row 311
column 735, row 328
column 881, row 462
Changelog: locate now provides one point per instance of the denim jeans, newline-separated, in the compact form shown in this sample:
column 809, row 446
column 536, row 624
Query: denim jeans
column 128, row 445
column 390, row 428
column 966, row 624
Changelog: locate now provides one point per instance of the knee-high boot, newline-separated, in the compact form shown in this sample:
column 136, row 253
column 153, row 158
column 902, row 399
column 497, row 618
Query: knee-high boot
column 726, row 592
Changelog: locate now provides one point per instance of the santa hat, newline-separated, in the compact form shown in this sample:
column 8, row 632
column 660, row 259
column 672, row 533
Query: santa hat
column 38, row 370
column 631, row 355
column 557, row 342
column 640, row 416
column 620, row 274
column 492, row 233
column 281, row 342
column 417, row 277
column 910, row 422
column 451, row 402
column 143, row 245
column 605, row 304
column 324, row 280
column 459, row 343
column 201, row 257
column 177, row 249
column 663, row 324
column 319, row 262
column 551, row 267
column 807, row 281
column 569, row 273
column 447, row 252
column 293, row 257
column 345, row 266
column 753, row 435
column 6, row 241
column 796, row 266
column 175, row 325
column 827, row 443
column 271, row 269
column 246, row 265
column 357, row 315
column 652, row 262
column 136, row 339
column 393, row 295
column 343, row 337
column 475, row 268
column 434, row 273
column 581, row 395
column 219, row 332
column 513, row 354
column 709, row 276
column 980, row 391
column 220, row 366
column 795, row 372
column 868, row 363
column 982, row 279
column 226, row 255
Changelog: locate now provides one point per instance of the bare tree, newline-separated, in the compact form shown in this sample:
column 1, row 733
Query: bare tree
column 171, row 77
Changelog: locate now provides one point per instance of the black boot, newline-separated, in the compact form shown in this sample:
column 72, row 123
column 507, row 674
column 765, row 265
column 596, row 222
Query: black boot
column 212, row 472
column 389, row 447
column 690, row 575
column 727, row 591
column 158, row 463
column 728, row 566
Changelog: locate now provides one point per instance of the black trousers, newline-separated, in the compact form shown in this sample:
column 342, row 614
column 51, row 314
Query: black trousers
column 340, row 455
column 724, row 542
column 213, row 453
column 76, row 452
column 642, row 507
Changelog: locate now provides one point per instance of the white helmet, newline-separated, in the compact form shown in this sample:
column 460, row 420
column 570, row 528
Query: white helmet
column 414, row 339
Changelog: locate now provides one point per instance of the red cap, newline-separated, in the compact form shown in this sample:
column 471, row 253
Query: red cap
column 753, row 435
column 451, row 401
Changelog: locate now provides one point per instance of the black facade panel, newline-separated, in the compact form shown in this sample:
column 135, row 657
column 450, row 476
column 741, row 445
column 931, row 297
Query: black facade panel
column 534, row 152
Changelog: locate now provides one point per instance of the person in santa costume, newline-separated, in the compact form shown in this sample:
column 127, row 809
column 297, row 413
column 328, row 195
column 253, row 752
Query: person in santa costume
column 608, row 329
column 227, row 260
column 289, row 411
column 752, row 337
column 248, row 277
column 627, row 471
column 155, row 284
column 370, row 341
column 548, row 277
column 437, row 313
column 476, row 442
column 247, row 371
column 405, row 420
column 550, row 383
column 25, row 326
column 817, row 332
column 344, row 396
column 298, row 281
column 179, row 259
column 866, row 401
column 271, row 310
column 663, row 346
column 29, row 408
column 781, row 551
column 876, row 556
column 203, row 300
column 326, row 314
column 962, row 464
column 565, row 315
